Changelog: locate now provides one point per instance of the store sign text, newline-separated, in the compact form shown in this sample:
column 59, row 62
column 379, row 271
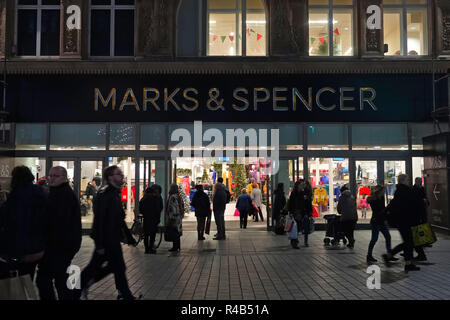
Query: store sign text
column 280, row 98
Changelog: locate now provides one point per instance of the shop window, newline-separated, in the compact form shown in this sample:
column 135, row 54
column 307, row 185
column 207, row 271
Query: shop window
column 225, row 33
column 418, row 167
column 327, row 137
column 392, row 169
column 421, row 130
column 5, row 133
column 112, row 28
column 128, row 195
column 291, row 136
column 406, row 27
column 31, row 136
column 38, row 27
column 379, row 137
column 122, row 137
column 77, row 136
column 36, row 165
column 153, row 137
column 331, row 39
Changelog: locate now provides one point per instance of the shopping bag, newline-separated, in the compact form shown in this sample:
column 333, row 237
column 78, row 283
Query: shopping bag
column 315, row 213
column 293, row 234
column 289, row 224
column 423, row 235
column 171, row 234
column 208, row 224
column 17, row 288
column 236, row 213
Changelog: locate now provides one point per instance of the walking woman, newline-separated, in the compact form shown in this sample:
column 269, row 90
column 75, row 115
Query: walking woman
column 174, row 215
column 300, row 206
column 150, row 207
column 244, row 205
column 349, row 216
column 378, row 222
column 202, row 206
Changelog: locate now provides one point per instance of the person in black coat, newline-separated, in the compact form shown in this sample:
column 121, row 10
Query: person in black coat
column 403, row 213
column 108, row 231
column 300, row 206
column 151, row 207
column 64, row 237
column 202, row 206
column 219, row 205
column 421, row 197
column 22, row 225
column 279, row 202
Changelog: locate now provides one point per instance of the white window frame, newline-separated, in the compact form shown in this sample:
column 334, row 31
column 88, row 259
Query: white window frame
column 112, row 8
column 330, row 6
column 239, row 10
column 403, row 9
column 37, row 7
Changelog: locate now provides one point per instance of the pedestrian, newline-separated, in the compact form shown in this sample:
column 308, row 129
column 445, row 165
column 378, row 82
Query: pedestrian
column 349, row 215
column 174, row 215
column 97, row 180
column 300, row 207
column 22, row 225
column 151, row 206
column 423, row 203
column 403, row 212
column 378, row 222
column 279, row 202
column 202, row 207
column 257, row 200
column 220, row 199
column 63, row 237
column 42, row 183
column 108, row 231
column 244, row 205
column 363, row 205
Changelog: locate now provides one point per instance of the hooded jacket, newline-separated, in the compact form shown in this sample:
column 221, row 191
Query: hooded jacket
column 201, row 203
column 151, row 206
column 347, row 207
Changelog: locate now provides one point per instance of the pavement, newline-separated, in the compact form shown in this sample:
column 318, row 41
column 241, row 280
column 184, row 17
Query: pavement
column 254, row 264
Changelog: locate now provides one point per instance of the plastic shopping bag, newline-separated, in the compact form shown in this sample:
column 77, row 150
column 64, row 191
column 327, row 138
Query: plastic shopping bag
column 289, row 223
column 423, row 235
column 293, row 234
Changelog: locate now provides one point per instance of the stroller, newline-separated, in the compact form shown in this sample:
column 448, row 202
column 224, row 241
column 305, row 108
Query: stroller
column 334, row 233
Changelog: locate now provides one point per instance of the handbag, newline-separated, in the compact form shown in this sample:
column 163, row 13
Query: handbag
column 236, row 212
column 423, row 235
column 171, row 234
column 208, row 223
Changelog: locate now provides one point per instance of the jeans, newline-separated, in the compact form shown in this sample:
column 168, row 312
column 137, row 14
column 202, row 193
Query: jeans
column 376, row 229
column 243, row 217
column 303, row 224
column 407, row 245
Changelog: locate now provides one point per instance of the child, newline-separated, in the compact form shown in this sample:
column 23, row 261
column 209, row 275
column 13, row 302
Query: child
column 363, row 205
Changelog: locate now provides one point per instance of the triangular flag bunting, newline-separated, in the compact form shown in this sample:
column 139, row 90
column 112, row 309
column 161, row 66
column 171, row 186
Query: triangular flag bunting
column 251, row 30
column 313, row 40
column 231, row 38
column 215, row 37
column 321, row 39
column 248, row 31
column 258, row 36
column 223, row 38
column 336, row 31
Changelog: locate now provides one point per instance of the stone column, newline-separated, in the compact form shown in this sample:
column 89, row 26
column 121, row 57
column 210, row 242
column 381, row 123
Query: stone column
column 156, row 21
column 442, row 27
column 288, row 27
column 70, row 44
column 2, row 27
column 371, row 42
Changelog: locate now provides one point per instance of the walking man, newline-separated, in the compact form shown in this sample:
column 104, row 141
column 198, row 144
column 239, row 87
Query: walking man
column 107, row 231
column 219, row 203
column 63, row 237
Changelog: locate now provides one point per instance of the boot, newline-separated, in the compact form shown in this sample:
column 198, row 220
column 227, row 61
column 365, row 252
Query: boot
column 200, row 236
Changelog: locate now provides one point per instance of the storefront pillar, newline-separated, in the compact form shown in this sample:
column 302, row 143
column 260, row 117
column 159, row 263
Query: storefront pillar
column 371, row 39
column 442, row 27
column 70, row 44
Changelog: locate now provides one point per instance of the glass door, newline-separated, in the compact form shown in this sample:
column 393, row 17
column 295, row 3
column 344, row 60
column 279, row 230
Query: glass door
column 392, row 169
column 153, row 171
column 366, row 172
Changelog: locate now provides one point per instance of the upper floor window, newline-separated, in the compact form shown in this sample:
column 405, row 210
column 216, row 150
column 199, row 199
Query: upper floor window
column 326, row 38
column 38, row 27
column 405, row 27
column 112, row 28
column 226, row 35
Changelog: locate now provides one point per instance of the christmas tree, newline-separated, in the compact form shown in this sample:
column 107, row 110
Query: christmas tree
column 239, row 178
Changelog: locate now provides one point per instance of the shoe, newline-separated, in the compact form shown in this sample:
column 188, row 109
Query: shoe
column 371, row 259
column 393, row 259
column 173, row 249
column 387, row 260
column 218, row 238
column 420, row 259
column 202, row 238
column 411, row 267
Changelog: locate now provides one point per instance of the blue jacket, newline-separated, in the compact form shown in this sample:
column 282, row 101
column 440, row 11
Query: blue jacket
column 243, row 203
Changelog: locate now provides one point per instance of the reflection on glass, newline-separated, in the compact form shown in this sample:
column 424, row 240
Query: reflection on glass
column 77, row 136
column 392, row 31
column 91, row 179
column 366, row 178
column 122, row 137
column 327, row 137
column 30, row 136
column 392, row 169
column 379, row 137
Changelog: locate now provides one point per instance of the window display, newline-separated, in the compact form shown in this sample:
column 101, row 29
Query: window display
column 392, row 169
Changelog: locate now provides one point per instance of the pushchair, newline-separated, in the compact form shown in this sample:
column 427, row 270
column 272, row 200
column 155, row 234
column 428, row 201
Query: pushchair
column 334, row 233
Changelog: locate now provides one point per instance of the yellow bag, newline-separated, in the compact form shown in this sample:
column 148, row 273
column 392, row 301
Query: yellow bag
column 423, row 235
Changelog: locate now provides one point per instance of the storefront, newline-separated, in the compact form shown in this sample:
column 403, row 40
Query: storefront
column 359, row 130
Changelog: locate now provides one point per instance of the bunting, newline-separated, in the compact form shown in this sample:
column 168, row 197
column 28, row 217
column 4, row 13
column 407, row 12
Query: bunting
column 249, row 33
column 336, row 31
column 321, row 39
column 223, row 38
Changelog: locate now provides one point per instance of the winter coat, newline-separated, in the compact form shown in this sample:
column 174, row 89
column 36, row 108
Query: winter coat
column 244, row 203
column 150, row 207
column 201, row 203
column 90, row 190
column 347, row 207
column 257, row 197
column 421, row 196
column 23, row 222
column 174, row 212
column 405, row 207
column 219, row 197
column 320, row 197
column 63, row 210
column 378, row 214
column 279, row 202
column 363, row 203
column 109, row 227
column 300, row 204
